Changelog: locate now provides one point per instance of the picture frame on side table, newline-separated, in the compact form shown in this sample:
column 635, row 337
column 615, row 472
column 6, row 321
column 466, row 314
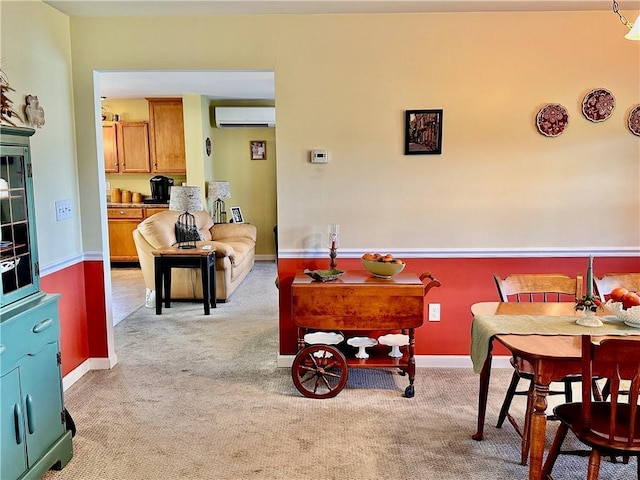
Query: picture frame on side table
column 258, row 149
column 236, row 215
column 423, row 132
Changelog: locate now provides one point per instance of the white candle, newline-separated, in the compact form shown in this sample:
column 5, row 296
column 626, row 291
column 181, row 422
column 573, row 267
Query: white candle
column 333, row 230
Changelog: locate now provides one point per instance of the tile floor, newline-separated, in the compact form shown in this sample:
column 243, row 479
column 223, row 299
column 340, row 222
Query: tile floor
column 128, row 291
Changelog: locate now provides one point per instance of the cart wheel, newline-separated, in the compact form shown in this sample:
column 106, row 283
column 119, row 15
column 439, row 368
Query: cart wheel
column 409, row 392
column 319, row 371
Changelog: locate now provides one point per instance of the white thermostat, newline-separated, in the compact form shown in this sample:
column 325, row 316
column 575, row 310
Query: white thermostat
column 319, row 156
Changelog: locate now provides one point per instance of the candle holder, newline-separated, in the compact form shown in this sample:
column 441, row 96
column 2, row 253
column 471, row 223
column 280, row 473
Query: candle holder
column 333, row 242
column 589, row 303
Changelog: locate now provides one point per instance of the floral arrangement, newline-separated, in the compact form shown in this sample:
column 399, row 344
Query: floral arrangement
column 589, row 302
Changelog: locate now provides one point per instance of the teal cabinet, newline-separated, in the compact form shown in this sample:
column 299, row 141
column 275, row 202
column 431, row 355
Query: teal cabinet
column 13, row 444
column 33, row 434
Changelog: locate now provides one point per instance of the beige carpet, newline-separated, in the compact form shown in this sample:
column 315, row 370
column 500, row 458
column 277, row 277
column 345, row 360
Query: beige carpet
column 200, row 397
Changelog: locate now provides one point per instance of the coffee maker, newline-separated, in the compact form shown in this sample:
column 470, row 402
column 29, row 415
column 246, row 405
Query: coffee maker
column 160, row 186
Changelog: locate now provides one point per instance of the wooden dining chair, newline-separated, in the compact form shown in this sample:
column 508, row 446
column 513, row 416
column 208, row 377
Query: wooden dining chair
column 603, row 286
column 611, row 427
column 531, row 288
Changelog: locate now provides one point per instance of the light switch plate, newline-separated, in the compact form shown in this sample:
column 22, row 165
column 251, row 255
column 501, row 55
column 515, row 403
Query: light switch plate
column 63, row 210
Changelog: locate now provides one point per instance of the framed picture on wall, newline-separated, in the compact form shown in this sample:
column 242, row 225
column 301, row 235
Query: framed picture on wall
column 258, row 149
column 236, row 215
column 423, row 132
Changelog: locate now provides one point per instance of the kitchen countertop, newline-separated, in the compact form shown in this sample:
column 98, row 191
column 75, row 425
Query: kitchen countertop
column 137, row 205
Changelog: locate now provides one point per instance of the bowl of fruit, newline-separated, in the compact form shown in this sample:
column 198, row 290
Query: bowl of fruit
column 382, row 266
column 625, row 305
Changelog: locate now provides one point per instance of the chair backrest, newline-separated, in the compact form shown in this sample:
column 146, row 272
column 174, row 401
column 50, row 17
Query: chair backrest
column 609, row 281
column 546, row 287
column 617, row 360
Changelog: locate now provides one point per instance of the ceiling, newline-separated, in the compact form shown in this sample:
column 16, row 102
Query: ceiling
column 98, row 8
column 259, row 85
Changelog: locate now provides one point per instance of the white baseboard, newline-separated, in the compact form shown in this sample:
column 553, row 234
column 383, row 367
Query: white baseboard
column 90, row 364
column 266, row 258
column 428, row 361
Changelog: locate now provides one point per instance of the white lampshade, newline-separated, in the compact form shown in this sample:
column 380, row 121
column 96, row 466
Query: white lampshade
column 183, row 199
column 219, row 190
column 634, row 33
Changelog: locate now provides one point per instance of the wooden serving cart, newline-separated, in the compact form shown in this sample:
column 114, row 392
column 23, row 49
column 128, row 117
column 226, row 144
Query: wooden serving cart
column 355, row 303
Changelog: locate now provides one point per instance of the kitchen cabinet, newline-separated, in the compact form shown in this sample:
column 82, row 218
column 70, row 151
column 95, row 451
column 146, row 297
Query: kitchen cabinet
column 33, row 432
column 126, row 147
column 133, row 147
column 166, row 135
column 110, row 146
column 123, row 220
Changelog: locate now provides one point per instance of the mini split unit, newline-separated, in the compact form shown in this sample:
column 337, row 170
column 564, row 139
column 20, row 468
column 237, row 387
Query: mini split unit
column 245, row 117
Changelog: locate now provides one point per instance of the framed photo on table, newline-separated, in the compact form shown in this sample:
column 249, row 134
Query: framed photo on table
column 423, row 132
column 236, row 215
column 258, row 149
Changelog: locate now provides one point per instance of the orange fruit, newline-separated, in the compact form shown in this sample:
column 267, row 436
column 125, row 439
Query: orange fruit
column 617, row 293
column 630, row 299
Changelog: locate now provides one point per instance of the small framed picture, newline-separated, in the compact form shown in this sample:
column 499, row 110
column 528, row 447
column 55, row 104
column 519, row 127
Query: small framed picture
column 423, row 132
column 258, row 149
column 236, row 215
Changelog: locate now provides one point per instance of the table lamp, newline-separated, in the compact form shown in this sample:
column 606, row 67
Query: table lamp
column 218, row 191
column 183, row 199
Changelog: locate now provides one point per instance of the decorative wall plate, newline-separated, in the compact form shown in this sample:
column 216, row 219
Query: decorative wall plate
column 552, row 119
column 634, row 120
column 598, row 105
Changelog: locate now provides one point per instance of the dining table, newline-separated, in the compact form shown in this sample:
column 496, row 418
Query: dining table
column 547, row 336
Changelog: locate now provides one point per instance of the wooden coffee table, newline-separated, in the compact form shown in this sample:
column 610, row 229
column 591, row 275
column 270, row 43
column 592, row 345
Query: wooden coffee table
column 173, row 257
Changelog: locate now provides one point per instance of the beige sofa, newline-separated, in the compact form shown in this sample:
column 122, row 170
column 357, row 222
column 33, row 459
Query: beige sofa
column 235, row 254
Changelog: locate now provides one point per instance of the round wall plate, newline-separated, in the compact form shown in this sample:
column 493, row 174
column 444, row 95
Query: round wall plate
column 598, row 104
column 634, row 120
column 552, row 119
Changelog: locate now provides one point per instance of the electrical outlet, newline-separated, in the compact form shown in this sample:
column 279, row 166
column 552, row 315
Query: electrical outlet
column 63, row 210
column 108, row 186
column 434, row 312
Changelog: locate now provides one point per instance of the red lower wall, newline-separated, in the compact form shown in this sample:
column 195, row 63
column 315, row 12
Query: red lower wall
column 465, row 281
column 82, row 312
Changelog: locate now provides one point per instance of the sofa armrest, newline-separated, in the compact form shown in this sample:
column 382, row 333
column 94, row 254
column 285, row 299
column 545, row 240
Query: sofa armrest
column 234, row 230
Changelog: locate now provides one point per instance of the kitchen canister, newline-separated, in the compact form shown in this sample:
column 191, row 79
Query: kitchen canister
column 126, row 196
column 136, row 197
column 116, row 195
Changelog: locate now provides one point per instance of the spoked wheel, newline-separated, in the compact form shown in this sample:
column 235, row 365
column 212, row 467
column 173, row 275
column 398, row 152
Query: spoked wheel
column 319, row 371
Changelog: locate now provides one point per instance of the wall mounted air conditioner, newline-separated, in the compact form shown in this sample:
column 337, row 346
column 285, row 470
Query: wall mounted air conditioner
column 245, row 117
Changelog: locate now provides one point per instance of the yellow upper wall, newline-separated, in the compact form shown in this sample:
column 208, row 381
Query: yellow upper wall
column 36, row 57
column 343, row 83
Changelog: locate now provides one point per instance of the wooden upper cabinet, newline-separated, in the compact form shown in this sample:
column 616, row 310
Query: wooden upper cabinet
column 126, row 147
column 110, row 148
column 133, row 147
column 166, row 135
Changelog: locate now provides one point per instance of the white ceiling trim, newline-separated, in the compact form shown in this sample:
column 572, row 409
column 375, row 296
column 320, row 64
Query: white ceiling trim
column 101, row 8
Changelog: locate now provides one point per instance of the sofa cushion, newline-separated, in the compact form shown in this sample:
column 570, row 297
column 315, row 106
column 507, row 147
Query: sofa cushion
column 224, row 231
column 241, row 247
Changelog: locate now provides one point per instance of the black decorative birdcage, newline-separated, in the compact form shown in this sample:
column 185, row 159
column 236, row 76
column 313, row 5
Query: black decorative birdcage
column 186, row 231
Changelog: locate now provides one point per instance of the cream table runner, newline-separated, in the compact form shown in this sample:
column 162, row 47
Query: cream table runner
column 485, row 327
